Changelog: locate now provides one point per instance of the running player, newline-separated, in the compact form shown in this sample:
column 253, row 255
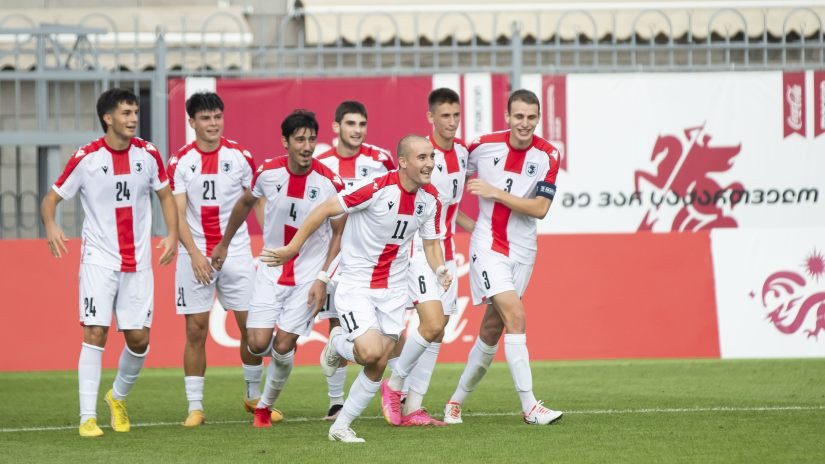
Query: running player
column 372, row 290
column 208, row 176
column 355, row 161
column 114, row 176
column 288, row 296
column 516, row 185
column 434, row 307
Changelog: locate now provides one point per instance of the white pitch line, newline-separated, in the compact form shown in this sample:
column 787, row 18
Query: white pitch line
column 473, row 414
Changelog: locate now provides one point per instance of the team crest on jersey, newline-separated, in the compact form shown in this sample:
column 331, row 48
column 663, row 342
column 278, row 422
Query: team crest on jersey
column 138, row 165
column 312, row 193
column 364, row 172
column 532, row 169
column 226, row 166
column 419, row 208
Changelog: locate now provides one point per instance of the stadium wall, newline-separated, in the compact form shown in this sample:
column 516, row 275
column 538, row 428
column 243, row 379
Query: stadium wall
column 720, row 253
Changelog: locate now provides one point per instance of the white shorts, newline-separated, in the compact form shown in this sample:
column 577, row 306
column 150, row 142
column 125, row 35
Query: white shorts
column 233, row 283
column 492, row 273
column 362, row 308
column 285, row 306
column 130, row 295
column 423, row 285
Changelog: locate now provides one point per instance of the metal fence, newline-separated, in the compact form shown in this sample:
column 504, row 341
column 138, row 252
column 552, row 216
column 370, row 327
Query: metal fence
column 51, row 75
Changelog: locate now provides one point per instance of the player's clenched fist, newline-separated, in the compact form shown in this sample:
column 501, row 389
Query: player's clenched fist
column 278, row 256
column 219, row 255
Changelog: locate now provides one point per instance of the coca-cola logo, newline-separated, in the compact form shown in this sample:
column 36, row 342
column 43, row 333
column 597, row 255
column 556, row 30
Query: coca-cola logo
column 793, row 96
column 793, row 302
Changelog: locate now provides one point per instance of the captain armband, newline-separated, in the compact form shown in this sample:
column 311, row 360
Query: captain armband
column 545, row 189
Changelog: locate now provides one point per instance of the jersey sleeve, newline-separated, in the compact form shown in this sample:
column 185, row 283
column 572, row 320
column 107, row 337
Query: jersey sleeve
column 248, row 169
column 257, row 181
column 69, row 183
column 432, row 228
column 158, row 173
column 472, row 157
column 547, row 187
column 359, row 197
column 177, row 177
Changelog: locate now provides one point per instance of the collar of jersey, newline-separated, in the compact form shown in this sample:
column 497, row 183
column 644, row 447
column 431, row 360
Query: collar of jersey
column 435, row 145
column 112, row 150
column 207, row 153
column 521, row 150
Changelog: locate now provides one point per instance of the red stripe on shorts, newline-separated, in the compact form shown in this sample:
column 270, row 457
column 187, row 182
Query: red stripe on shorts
column 126, row 239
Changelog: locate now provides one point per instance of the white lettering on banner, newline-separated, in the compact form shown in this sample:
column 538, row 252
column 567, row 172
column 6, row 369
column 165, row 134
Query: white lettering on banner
column 794, row 96
column 477, row 98
column 770, row 303
column 454, row 329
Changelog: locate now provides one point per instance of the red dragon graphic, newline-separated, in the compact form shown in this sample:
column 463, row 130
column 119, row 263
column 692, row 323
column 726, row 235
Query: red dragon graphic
column 783, row 295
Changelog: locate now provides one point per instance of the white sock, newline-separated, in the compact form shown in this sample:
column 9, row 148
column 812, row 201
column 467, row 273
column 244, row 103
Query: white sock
column 194, row 392
column 88, row 379
column 335, row 386
column 252, row 376
column 415, row 346
column 515, row 350
column 391, row 363
column 128, row 369
column 276, row 375
column 344, row 347
column 360, row 395
column 481, row 355
column 418, row 381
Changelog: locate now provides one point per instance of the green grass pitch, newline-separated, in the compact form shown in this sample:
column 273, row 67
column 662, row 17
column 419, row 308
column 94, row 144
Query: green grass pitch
column 615, row 411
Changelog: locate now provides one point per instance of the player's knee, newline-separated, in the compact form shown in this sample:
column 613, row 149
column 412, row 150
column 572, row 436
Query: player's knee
column 283, row 346
column 431, row 330
column 369, row 356
column 95, row 335
column 257, row 345
column 138, row 346
column 196, row 334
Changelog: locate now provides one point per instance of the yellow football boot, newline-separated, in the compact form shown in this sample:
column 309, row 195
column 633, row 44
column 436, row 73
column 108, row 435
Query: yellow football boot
column 117, row 408
column 89, row 429
column 194, row 419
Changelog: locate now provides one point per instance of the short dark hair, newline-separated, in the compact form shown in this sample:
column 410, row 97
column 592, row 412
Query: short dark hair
column 110, row 99
column 350, row 106
column 523, row 95
column 203, row 101
column 442, row 95
column 298, row 119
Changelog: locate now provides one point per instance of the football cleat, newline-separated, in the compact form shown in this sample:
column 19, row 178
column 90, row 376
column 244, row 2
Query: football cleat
column 262, row 418
column 452, row 413
column 333, row 412
column 330, row 359
column 251, row 404
column 390, row 403
column 194, row 419
column 120, row 416
column 89, row 429
column 346, row 435
column 420, row 417
column 540, row 415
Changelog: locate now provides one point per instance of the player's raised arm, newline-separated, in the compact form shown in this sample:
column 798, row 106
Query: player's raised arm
column 55, row 237
column 239, row 213
column 535, row 207
column 170, row 217
column 329, row 208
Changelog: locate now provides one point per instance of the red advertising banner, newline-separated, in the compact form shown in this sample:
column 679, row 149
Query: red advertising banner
column 819, row 103
column 591, row 296
column 793, row 104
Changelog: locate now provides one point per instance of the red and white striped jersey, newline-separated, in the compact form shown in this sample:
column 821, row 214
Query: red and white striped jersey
column 213, row 182
column 448, row 178
column 523, row 173
column 383, row 218
column 115, row 188
column 289, row 199
column 369, row 163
